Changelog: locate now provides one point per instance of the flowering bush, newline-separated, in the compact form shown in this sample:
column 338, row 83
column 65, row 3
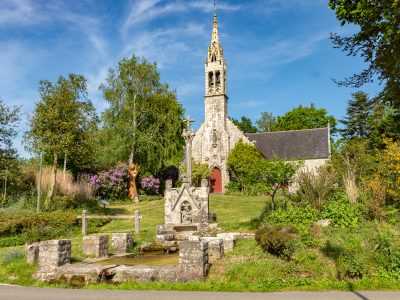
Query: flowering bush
column 150, row 185
column 111, row 184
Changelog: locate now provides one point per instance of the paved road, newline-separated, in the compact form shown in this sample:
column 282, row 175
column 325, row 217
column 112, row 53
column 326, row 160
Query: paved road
column 26, row 293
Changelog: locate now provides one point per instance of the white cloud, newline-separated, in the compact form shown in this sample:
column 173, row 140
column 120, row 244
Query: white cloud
column 143, row 11
column 18, row 12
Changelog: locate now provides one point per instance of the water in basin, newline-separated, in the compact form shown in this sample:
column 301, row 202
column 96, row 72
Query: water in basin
column 144, row 259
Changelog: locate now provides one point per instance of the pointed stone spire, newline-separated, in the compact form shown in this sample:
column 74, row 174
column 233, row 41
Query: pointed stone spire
column 215, row 36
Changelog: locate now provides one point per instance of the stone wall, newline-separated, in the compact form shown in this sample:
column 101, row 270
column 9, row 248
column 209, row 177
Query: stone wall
column 121, row 242
column 95, row 245
column 309, row 165
column 52, row 254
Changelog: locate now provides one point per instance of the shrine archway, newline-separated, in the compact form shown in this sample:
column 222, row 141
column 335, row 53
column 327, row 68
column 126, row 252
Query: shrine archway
column 216, row 181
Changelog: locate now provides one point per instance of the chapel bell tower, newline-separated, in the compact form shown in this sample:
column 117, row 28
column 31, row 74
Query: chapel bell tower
column 215, row 80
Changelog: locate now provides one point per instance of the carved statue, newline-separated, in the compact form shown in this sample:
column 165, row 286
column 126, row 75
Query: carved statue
column 133, row 171
column 186, row 213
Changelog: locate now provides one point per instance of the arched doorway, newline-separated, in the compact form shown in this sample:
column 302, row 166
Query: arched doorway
column 216, row 181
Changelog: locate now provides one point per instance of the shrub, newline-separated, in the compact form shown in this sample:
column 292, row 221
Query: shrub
column 111, row 184
column 299, row 216
column 316, row 187
column 375, row 198
column 340, row 211
column 350, row 255
column 233, row 187
column 18, row 228
column 387, row 251
column 150, row 185
column 277, row 240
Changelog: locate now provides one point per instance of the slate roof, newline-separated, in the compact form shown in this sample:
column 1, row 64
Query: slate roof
column 293, row 144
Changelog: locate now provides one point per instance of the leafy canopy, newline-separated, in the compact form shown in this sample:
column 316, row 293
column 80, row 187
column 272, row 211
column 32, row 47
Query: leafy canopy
column 9, row 117
column 241, row 160
column 266, row 122
column 64, row 120
column 303, row 117
column 245, row 125
column 357, row 119
column 143, row 121
column 376, row 40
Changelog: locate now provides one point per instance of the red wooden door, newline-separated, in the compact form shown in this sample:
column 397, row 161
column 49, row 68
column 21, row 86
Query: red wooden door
column 216, row 181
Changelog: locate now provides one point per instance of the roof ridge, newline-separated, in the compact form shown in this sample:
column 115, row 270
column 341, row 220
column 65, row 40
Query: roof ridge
column 297, row 130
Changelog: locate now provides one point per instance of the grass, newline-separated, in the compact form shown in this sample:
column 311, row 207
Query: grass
column 246, row 268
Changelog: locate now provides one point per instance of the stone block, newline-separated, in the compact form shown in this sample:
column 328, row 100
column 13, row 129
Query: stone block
column 215, row 248
column 193, row 260
column 96, row 245
column 146, row 274
column 52, row 254
column 229, row 240
column 121, row 242
column 32, row 253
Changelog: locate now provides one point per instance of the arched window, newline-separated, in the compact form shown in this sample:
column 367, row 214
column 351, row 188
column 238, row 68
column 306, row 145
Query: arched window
column 213, row 58
column 210, row 79
column 218, row 78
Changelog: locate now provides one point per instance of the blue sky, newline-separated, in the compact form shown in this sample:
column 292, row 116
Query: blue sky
column 278, row 51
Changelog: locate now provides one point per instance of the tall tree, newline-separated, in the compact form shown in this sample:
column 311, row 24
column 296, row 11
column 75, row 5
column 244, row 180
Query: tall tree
column 266, row 122
column 245, row 124
column 61, row 121
column 241, row 161
column 357, row 120
column 143, row 124
column 376, row 40
column 9, row 117
column 303, row 117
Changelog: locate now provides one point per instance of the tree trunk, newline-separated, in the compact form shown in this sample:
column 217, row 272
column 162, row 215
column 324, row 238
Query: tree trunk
column 65, row 166
column 50, row 193
column 133, row 171
column 5, row 188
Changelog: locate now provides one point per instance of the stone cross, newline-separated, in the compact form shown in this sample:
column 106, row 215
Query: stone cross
column 188, row 121
column 188, row 135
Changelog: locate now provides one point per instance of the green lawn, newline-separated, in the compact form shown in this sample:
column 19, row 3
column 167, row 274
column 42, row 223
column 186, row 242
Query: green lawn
column 246, row 268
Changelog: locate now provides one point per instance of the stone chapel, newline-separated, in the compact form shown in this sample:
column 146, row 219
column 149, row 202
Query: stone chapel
column 217, row 135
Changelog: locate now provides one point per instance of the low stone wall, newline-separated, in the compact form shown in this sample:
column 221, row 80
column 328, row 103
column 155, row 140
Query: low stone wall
column 147, row 274
column 52, row 254
column 96, row 245
column 54, row 258
column 121, row 242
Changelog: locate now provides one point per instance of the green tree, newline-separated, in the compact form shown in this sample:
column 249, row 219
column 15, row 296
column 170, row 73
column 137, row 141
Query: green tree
column 242, row 159
column 303, row 117
column 384, row 122
column 245, row 124
column 9, row 118
column 199, row 172
column 62, row 121
column 357, row 119
column 143, row 123
column 376, row 40
column 266, row 122
column 274, row 175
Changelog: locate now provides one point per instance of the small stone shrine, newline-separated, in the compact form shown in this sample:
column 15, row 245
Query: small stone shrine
column 186, row 208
